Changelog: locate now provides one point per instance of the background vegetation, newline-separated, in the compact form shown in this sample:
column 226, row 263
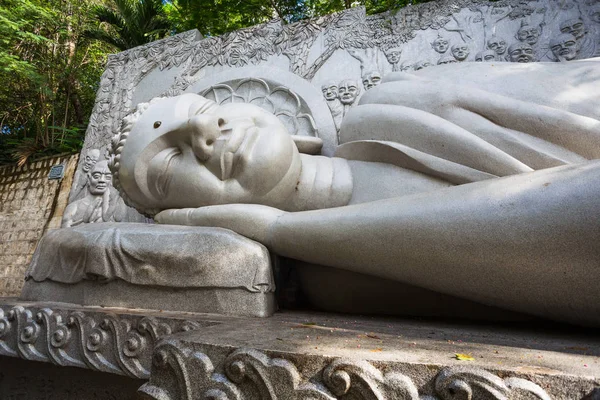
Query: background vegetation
column 52, row 53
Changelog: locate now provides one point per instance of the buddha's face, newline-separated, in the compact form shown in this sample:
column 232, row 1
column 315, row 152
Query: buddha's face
column 440, row 45
column 371, row 79
column 564, row 47
column 574, row 26
column 497, row 44
column 485, row 56
column 460, row 51
column 330, row 91
column 348, row 92
column 99, row 178
column 393, row 55
column 182, row 153
column 528, row 34
column 91, row 158
column 520, row 52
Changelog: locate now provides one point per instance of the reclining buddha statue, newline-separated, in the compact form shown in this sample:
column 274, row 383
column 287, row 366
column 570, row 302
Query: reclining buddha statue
column 474, row 181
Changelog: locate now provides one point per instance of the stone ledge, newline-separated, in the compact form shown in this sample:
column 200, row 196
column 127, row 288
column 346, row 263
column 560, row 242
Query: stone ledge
column 296, row 355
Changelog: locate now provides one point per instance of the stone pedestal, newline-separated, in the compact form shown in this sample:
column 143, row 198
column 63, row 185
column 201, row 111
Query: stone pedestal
column 296, row 355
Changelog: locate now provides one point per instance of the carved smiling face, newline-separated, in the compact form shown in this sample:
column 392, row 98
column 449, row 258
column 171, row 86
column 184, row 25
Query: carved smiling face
column 186, row 151
column 348, row 91
column 497, row 44
column 446, row 60
column 99, row 178
column 440, row 45
column 460, row 51
column 330, row 91
column 528, row 34
column 521, row 53
column 91, row 158
column 393, row 55
column 594, row 13
column 486, row 56
column 574, row 26
column 564, row 47
column 421, row 64
column 371, row 79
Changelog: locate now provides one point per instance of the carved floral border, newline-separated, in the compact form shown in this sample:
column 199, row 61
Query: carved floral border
column 142, row 347
column 100, row 341
column 184, row 374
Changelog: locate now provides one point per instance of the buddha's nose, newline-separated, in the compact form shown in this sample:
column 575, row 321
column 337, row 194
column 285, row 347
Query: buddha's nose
column 204, row 131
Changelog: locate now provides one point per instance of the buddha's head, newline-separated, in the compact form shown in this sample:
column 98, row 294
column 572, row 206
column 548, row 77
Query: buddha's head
column 460, row 51
column 497, row 44
column 520, row 52
column 99, row 178
column 485, row 56
column 187, row 151
column 564, row 47
column 440, row 44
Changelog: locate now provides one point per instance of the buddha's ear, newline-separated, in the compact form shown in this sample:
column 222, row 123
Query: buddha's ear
column 308, row 144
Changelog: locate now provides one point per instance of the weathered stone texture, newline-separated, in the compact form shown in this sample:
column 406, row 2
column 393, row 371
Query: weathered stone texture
column 30, row 204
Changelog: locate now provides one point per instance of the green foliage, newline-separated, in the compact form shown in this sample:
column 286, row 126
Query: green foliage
column 52, row 53
column 49, row 76
column 129, row 23
column 215, row 17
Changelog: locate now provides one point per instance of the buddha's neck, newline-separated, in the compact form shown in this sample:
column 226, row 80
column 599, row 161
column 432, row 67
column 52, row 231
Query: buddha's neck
column 323, row 183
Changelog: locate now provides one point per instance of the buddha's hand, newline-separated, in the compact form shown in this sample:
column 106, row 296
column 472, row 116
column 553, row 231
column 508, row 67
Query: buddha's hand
column 251, row 220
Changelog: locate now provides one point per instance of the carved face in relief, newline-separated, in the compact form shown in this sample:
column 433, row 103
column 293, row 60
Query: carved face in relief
column 371, row 79
column 594, row 13
column 497, row 44
column 440, row 45
column 99, row 178
column 91, row 158
column 446, row 60
column 521, row 53
column 486, row 55
column 574, row 26
column 348, row 91
column 421, row 64
column 186, row 151
column 393, row 55
column 460, row 51
column 564, row 47
column 330, row 91
column 528, row 34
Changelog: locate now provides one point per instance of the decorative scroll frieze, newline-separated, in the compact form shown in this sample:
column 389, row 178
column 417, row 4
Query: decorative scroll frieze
column 106, row 342
column 181, row 373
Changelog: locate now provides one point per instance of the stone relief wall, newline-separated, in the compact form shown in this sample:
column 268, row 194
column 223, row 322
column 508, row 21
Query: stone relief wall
column 341, row 55
column 30, row 204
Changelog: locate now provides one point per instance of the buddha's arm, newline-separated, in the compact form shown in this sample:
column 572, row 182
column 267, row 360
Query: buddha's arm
column 527, row 239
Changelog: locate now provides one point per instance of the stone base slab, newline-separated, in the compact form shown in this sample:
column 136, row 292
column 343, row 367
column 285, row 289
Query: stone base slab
column 297, row 355
column 119, row 293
